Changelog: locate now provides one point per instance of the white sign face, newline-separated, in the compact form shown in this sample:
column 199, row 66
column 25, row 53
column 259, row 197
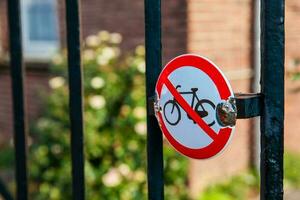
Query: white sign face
column 188, row 95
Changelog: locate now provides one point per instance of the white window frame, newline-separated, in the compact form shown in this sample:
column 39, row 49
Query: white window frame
column 37, row 50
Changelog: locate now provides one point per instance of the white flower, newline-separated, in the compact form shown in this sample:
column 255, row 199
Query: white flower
column 117, row 51
column 141, row 128
column 124, row 169
column 56, row 82
column 43, row 123
column 140, row 50
column 115, row 38
column 88, row 54
column 104, row 35
column 57, row 59
column 139, row 112
column 92, row 41
column 102, row 60
column 97, row 102
column 97, row 82
column 108, row 53
column 112, row 178
column 141, row 67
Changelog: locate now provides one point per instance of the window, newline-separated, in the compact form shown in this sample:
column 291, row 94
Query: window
column 40, row 28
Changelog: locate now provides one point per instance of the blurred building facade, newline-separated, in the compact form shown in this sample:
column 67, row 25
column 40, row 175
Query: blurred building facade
column 221, row 30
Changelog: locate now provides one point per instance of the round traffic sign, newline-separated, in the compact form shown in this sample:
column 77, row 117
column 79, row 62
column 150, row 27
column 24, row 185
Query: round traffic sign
column 189, row 90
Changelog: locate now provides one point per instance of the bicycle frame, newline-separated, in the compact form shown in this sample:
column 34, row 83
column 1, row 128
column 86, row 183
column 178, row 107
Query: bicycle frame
column 191, row 92
column 202, row 113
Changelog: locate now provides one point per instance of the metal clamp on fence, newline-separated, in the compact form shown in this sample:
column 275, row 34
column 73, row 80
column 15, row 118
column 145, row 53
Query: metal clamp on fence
column 248, row 105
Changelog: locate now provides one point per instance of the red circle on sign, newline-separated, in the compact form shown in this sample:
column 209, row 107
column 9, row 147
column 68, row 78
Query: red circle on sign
column 220, row 139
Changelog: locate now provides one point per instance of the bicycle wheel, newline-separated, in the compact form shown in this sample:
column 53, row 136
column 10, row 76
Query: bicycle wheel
column 173, row 117
column 201, row 111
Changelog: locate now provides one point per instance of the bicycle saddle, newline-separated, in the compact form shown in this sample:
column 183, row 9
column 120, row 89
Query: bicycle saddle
column 194, row 89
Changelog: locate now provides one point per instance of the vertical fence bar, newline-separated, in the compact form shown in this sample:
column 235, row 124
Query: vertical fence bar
column 272, row 86
column 153, row 68
column 17, row 76
column 76, row 97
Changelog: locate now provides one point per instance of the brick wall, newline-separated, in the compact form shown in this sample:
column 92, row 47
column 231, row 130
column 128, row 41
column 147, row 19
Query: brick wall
column 292, row 19
column 3, row 25
column 221, row 31
column 174, row 28
column 5, row 107
column 127, row 17
column 36, row 81
column 292, row 88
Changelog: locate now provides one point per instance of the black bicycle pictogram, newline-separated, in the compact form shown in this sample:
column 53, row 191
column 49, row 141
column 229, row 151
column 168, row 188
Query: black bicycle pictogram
column 172, row 111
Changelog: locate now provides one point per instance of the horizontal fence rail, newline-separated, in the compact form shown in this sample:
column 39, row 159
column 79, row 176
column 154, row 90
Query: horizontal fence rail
column 153, row 68
column 76, row 98
column 17, row 76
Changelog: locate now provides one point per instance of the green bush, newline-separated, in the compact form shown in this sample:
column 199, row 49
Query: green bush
column 245, row 186
column 6, row 157
column 241, row 187
column 292, row 170
column 115, row 129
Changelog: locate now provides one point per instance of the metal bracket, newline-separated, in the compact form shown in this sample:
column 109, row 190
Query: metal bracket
column 248, row 105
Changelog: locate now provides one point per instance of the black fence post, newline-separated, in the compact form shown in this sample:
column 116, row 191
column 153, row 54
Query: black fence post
column 153, row 68
column 76, row 98
column 272, row 86
column 17, row 76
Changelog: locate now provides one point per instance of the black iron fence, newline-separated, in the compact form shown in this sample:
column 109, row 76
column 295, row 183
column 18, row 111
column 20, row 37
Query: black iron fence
column 269, row 104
